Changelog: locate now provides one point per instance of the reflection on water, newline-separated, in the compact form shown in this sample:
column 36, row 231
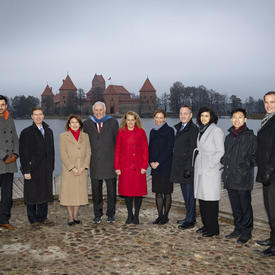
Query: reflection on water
column 57, row 125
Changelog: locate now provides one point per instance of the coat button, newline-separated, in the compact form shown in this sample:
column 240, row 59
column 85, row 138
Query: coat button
column 134, row 169
column 7, row 141
column 134, row 155
column 4, row 132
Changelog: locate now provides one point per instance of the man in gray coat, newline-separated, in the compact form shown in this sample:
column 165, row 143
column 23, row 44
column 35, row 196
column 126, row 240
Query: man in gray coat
column 102, row 130
column 8, row 155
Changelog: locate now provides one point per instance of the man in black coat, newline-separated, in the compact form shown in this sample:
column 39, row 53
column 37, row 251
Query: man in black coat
column 238, row 175
column 266, row 167
column 36, row 150
column 182, row 170
column 102, row 130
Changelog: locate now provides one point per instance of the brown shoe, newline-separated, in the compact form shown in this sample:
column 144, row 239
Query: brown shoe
column 48, row 222
column 8, row 226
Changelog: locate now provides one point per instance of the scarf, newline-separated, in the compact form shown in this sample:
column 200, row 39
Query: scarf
column 5, row 114
column 75, row 133
column 158, row 127
column 266, row 118
column 102, row 120
column 236, row 132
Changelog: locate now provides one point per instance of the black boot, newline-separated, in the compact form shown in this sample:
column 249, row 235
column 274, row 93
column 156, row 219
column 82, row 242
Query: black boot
column 129, row 205
column 138, row 201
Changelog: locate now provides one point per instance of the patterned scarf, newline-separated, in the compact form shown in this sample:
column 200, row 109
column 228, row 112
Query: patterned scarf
column 5, row 114
column 266, row 118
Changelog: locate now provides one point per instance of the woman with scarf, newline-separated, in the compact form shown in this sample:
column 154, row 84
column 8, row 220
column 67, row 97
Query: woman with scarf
column 75, row 154
column 238, row 174
column 207, row 179
column 131, row 162
column 161, row 144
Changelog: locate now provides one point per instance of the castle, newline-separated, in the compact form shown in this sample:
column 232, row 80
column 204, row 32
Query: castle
column 118, row 99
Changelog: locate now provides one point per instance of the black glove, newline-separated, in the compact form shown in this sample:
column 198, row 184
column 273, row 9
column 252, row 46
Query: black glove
column 266, row 175
column 187, row 174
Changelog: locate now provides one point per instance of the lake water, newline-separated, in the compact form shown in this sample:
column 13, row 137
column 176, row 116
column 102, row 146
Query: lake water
column 57, row 125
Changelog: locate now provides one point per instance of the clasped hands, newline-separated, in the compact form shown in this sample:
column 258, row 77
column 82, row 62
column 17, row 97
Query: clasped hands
column 154, row 165
column 77, row 172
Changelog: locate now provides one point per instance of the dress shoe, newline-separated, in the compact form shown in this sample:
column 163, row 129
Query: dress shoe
column 8, row 226
column 136, row 220
column 232, row 235
column 186, row 225
column 129, row 220
column 157, row 220
column 35, row 224
column 77, row 221
column 266, row 242
column 48, row 222
column 70, row 223
column 164, row 220
column 243, row 240
column 269, row 251
column 180, row 221
column 201, row 230
column 208, row 235
column 111, row 219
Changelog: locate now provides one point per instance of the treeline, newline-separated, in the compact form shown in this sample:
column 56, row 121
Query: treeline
column 201, row 96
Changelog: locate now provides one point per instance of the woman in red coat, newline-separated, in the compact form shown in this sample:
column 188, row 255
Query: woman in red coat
column 131, row 162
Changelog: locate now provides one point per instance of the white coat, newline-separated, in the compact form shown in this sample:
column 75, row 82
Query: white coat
column 207, row 178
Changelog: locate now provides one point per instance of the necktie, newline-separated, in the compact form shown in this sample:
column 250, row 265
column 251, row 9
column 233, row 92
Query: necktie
column 182, row 127
column 99, row 127
column 42, row 131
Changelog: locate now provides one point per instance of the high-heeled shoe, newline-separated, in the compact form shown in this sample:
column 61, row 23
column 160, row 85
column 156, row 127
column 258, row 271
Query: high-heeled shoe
column 77, row 221
column 70, row 223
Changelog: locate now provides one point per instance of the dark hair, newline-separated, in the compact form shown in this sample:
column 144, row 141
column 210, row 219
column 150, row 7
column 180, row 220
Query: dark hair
column 4, row 98
column 67, row 127
column 160, row 111
column 213, row 116
column 37, row 109
column 186, row 106
column 241, row 110
column 269, row 93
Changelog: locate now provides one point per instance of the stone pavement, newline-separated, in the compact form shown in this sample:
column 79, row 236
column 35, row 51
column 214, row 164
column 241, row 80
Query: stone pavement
column 125, row 249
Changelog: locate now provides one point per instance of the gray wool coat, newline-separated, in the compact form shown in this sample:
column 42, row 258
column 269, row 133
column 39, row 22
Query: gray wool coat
column 8, row 144
column 102, row 147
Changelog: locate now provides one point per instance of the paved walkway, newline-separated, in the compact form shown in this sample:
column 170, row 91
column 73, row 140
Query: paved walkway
column 127, row 249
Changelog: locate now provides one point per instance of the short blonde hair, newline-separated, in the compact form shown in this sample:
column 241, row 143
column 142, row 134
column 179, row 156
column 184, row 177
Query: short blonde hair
column 135, row 115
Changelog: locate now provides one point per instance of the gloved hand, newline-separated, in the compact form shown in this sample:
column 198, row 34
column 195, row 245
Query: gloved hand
column 187, row 174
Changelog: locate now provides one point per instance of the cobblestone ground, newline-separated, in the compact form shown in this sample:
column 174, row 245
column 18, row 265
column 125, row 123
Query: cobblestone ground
column 125, row 249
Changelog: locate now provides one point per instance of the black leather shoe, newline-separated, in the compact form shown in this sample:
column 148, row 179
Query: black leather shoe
column 201, row 230
column 232, row 235
column 269, row 251
column 266, row 242
column 136, row 220
column 164, row 220
column 157, row 220
column 129, row 220
column 243, row 240
column 180, row 221
column 71, row 223
column 186, row 225
column 77, row 221
column 208, row 235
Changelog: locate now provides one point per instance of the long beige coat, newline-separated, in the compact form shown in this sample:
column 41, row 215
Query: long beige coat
column 74, row 189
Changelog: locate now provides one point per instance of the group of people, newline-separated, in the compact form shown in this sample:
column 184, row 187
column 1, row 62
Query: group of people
column 197, row 157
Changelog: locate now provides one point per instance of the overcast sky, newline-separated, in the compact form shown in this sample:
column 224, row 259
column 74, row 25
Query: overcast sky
column 225, row 45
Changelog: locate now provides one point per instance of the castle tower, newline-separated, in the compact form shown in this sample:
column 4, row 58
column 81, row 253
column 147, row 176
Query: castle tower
column 97, row 90
column 147, row 97
column 47, row 102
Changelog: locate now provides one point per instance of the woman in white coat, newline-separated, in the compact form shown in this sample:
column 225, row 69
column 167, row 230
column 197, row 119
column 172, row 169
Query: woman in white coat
column 207, row 178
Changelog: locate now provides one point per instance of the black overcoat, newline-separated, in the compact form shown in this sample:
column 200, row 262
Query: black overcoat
column 266, row 153
column 37, row 158
column 161, row 143
column 239, row 160
column 102, row 147
column 185, row 143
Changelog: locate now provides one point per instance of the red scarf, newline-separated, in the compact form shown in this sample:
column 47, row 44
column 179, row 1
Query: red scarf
column 5, row 114
column 236, row 132
column 75, row 133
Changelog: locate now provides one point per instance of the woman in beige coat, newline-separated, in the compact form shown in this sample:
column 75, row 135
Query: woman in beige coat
column 75, row 154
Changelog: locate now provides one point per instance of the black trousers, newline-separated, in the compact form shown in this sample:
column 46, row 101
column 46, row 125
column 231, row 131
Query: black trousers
column 6, row 184
column 187, row 190
column 240, row 201
column 98, row 196
column 37, row 212
column 269, row 203
column 209, row 216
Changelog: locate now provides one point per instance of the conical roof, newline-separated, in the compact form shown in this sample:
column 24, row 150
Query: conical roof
column 68, row 84
column 147, row 86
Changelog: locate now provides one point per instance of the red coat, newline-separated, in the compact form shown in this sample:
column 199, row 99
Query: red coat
column 131, row 154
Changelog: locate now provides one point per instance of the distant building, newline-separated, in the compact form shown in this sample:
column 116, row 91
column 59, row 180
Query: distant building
column 117, row 99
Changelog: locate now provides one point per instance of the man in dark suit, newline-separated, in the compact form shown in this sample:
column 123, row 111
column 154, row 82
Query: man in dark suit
column 266, row 167
column 36, row 150
column 102, row 130
column 182, row 170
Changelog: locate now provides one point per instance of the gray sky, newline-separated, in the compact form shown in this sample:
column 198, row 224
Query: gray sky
column 225, row 45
